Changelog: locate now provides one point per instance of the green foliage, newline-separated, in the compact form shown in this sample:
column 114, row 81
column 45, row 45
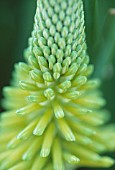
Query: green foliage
column 100, row 27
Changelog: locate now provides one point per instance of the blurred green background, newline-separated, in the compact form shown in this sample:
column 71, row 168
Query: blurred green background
column 16, row 22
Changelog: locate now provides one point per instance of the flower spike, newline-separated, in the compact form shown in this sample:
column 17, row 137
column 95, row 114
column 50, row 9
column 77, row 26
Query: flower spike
column 55, row 117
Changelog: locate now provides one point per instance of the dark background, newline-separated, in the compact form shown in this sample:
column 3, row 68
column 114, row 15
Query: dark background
column 16, row 22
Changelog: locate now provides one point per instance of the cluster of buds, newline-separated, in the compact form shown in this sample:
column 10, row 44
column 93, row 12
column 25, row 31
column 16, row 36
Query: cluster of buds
column 55, row 116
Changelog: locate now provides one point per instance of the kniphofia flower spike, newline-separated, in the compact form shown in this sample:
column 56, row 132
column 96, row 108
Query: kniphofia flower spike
column 55, row 116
